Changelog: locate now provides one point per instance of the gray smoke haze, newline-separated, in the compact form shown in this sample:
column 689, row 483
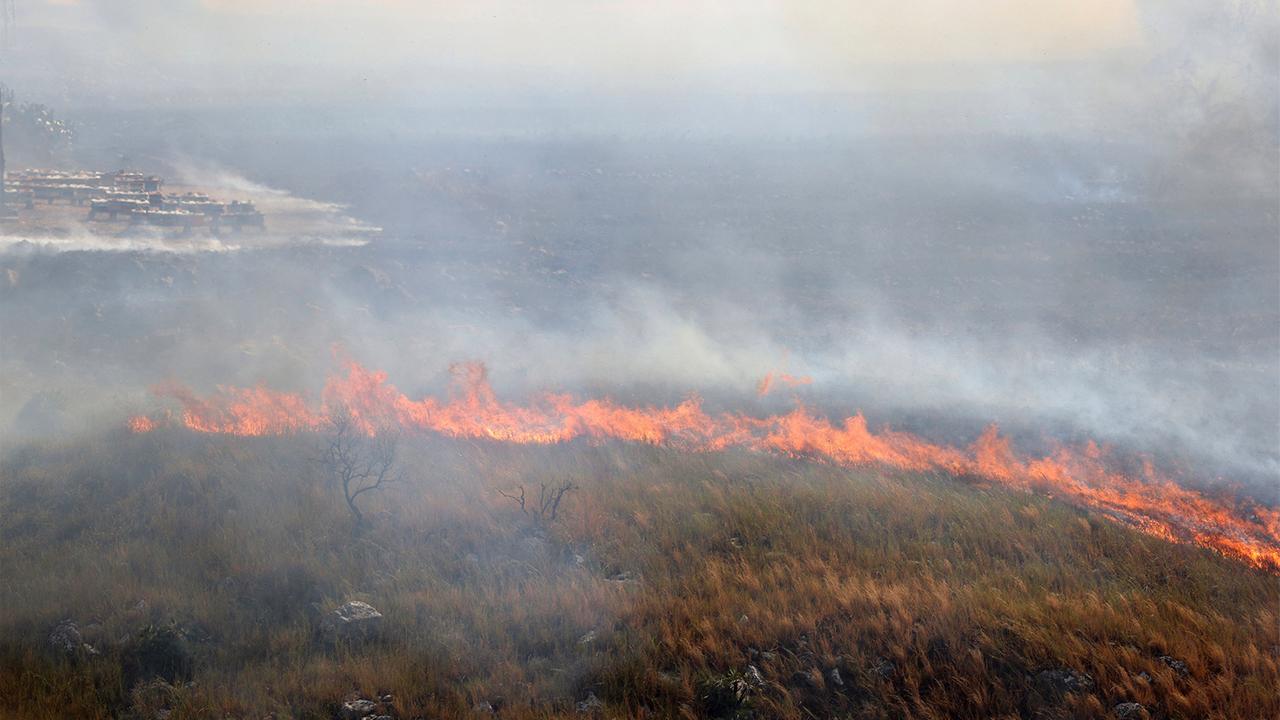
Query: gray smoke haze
column 1065, row 221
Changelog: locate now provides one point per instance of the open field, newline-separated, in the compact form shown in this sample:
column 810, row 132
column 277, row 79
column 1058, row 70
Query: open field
column 669, row 585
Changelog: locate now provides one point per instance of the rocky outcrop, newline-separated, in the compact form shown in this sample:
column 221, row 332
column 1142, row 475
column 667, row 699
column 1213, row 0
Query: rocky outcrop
column 354, row 621
column 357, row 709
column 157, row 651
column 65, row 640
column 1130, row 711
column 591, row 705
column 1176, row 665
column 1056, row 683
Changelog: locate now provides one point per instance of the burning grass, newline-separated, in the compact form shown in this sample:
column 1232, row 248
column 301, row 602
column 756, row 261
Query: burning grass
column 672, row 584
column 1145, row 499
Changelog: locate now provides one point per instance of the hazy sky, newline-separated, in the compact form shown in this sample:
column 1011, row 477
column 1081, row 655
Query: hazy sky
column 397, row 46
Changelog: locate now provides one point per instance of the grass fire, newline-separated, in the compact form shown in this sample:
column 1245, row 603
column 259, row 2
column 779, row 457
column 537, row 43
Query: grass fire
column 759, row 360
column 1236, row 527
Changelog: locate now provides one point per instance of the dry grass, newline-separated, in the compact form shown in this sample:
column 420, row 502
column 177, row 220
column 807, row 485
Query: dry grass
column 931, row 597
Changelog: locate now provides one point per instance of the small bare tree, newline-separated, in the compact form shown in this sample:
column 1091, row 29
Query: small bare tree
column 548, row 504
column 358, row 462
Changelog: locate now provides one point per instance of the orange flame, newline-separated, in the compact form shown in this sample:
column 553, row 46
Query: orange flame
column 770, row 379
column 1148, row 501
column 142, row 424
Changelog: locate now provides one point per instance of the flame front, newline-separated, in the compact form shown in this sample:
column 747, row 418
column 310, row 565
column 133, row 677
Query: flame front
column 1147, row 500
column 768, row 382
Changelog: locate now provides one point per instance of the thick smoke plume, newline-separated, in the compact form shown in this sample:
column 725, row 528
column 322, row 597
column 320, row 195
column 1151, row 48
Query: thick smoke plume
column 1071, row 239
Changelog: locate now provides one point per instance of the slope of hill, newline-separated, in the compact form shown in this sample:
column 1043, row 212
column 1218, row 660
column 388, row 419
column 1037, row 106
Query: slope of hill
column 668, row 585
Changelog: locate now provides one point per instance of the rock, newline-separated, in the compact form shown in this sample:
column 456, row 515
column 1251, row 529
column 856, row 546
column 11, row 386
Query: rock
column 591, row 705
column 804, row 679
column 1056, row 683
column 588, row 638
column 355, row 620
column 387, row 699
column 833, row 676
column 1130, row 711
column 729, row 694
column 883, row 669
column 357, row 709
column 1175, row 664
column 65, row 639
column 157, row 651
column 625, row 576
column 1144, row 676
column 193, row 632
column 482, row 708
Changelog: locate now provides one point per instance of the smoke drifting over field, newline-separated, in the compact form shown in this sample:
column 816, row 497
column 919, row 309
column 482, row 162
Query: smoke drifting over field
column 1071, row 233
column 675, row 358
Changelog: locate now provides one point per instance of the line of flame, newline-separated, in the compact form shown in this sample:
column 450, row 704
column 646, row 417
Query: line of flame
column 766, row 384
column 1147, row 500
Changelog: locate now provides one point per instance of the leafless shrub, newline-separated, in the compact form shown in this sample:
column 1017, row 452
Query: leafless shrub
column 546, row 508
column 359, row 462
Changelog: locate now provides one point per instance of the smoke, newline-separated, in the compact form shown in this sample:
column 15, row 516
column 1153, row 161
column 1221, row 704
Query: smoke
column 203, row 319
column 1068, row 237
column 279, row 203
column 85, row 240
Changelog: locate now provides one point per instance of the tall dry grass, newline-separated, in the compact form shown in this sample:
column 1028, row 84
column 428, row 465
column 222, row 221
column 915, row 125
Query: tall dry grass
column 665, row 579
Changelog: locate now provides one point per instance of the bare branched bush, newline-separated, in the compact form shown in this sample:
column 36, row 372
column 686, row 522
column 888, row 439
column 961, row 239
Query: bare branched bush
column 546, row 508
column 359, row 462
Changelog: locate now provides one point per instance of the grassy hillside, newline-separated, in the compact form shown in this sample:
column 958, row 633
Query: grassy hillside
column 669, row 585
